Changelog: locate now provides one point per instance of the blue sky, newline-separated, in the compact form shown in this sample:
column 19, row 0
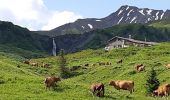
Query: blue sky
column 49, row 14
column 102, row 8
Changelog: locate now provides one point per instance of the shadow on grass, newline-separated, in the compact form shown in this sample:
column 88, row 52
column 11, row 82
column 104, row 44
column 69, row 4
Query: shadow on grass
column 58, row 88
column 129, row 97
column 110, row 97
column 73, row 74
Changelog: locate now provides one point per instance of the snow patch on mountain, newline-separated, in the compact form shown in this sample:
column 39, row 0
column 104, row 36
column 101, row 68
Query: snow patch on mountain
column 133, row 19
column 91, row 27
column 149, row 11
column 129, row 12
column 141, row 11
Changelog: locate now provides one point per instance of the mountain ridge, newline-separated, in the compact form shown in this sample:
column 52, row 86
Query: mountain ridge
column 124, row 15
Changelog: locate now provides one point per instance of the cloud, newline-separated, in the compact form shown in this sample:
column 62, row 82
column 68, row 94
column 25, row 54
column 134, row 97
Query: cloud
column 60, row 18
column 34, row 15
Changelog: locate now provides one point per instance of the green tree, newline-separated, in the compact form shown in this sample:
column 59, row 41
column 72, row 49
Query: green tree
column 152, row 82
column 64, row 71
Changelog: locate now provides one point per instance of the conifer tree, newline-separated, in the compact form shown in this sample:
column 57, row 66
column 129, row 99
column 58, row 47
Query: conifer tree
column 64, row 72
column 152, row 82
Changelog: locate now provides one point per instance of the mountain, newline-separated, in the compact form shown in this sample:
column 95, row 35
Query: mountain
column 98, row 38
column 124, row 15
column 18, row 37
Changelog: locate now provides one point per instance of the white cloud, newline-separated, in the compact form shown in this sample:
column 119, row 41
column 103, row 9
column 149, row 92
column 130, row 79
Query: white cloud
column 33, row 14
column 60, row 18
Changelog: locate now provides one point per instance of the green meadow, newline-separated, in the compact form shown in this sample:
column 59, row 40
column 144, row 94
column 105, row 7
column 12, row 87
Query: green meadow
column 19, row 81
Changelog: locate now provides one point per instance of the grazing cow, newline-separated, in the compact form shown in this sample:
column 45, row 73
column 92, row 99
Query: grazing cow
column 120, row 61
column 34, row 64
column 86, row 65
column 45, row 65
column 94, row 65
column 140, row 67
column 26, row 62
column 168, row 66
column 101, row 63
column 108, row 63
column 97, row 89
column 123, row 84
column 50, row 81
column 163, row 90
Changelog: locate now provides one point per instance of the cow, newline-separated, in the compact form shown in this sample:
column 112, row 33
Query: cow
column 50, row 81
column 34, row 64
column 101, row 63
column 123, row 84
column 97, row 89
column 26, row 62
column 108, row 63
column 45, row 65
column 86, row 64
column 120, row 61
column 168, row 66
column 93, row 65
column 163, row 90
column 140, row 67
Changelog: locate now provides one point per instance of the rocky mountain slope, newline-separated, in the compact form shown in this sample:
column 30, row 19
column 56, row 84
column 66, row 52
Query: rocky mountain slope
column 124, row 15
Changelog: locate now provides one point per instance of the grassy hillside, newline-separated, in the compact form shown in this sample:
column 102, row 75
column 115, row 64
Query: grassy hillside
column 26, row 82
column 160, row 24
column 16, row 36
column 12, row 51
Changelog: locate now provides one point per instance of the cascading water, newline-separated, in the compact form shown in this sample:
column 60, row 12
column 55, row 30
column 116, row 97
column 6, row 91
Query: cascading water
column 54, row 48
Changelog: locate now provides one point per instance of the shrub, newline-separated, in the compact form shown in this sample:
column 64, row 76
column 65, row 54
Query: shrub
column 152, row 82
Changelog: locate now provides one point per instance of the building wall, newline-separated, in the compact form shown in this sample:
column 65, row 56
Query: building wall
column 119, row 43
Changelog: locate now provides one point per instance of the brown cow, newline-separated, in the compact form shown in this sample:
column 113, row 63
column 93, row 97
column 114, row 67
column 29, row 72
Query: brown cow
column 34, row 64
column 97, row 89
column 50, row 81
column 140, row 67
column 101, row 63
column 168, row 66
column 45, row 65
column 108, row 63
column 26, row 62
column 86, row 64
column 123, row 84
column 163, row 90
column 120, row 61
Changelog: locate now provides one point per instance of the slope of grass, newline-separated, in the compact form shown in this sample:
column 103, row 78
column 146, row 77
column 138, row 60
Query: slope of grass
column 18, row 53
column 161, row 24
column 26, row 82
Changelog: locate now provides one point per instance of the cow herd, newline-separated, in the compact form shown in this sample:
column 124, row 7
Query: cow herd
column 98, row 89
column 36, row 64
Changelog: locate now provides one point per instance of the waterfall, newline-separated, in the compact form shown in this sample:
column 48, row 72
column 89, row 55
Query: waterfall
column 54, row 48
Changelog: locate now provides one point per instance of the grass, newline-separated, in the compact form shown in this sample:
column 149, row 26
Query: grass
column 26, row 82
column 161, row 24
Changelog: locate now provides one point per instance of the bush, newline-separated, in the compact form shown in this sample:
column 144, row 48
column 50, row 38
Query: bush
column 152, row 82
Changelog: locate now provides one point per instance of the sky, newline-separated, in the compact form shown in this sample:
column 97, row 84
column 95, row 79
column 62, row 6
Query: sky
column 49, row 14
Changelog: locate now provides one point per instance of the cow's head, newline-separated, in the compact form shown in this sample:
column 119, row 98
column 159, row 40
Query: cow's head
column 57, row 79
column 155, row 93
column 112, row 83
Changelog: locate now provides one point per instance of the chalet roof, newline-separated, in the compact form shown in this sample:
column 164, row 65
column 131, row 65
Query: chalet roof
column 131, row 40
